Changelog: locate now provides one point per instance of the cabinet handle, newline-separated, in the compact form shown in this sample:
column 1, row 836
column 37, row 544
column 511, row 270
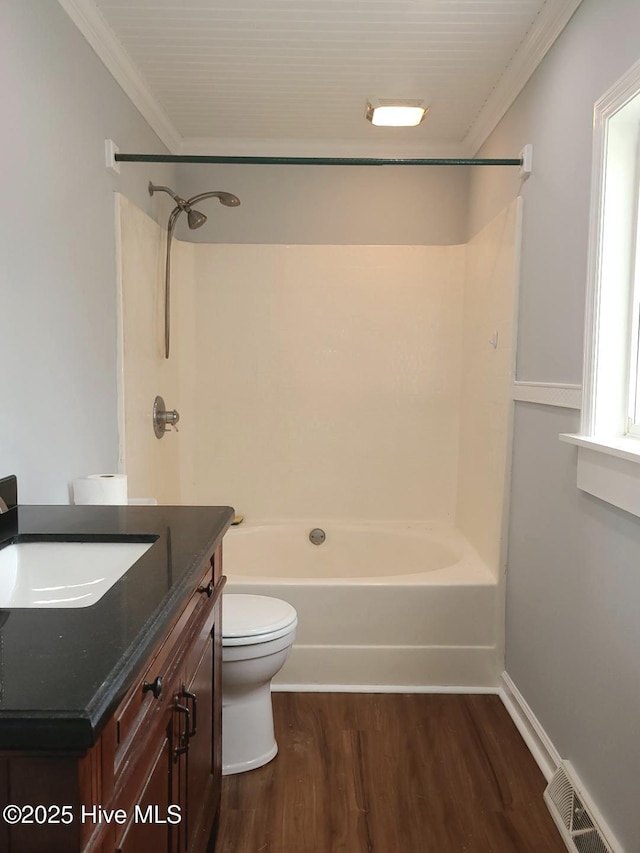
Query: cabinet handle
column 184, row 737
column 208, row 589
column 154, row 686
column 194, row 714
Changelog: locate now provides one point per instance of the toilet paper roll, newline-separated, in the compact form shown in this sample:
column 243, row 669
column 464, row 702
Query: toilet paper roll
column 100, row 489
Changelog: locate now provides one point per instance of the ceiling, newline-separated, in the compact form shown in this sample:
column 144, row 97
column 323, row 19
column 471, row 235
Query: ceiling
column 292, row 77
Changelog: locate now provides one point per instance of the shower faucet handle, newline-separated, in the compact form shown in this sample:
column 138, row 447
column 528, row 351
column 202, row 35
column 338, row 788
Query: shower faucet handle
column 171, row 419
column 163, row 418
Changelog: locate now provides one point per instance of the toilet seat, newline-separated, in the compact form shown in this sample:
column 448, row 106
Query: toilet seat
column 251, row 619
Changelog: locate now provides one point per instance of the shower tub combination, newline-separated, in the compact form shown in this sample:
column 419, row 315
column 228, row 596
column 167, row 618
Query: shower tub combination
column 385, row 606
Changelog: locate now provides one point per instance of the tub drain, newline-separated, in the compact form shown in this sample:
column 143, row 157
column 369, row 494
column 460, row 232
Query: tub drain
column 317, row 536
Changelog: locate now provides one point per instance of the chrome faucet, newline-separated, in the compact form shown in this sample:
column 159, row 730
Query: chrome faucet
column 163, row 418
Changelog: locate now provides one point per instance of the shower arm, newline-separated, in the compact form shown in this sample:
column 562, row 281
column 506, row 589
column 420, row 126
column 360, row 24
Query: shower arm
column 154, row 188
column 175, row 213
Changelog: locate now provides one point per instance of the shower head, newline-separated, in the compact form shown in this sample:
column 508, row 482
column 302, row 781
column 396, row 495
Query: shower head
column 195, row 219
column 228, row 199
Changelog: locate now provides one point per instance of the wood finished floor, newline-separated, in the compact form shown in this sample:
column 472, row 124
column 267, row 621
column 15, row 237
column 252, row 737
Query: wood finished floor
column 390, row 773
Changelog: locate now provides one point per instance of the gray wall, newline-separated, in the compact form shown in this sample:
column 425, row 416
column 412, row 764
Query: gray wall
column 573, row 632
column 331, row 204
column 57, row 259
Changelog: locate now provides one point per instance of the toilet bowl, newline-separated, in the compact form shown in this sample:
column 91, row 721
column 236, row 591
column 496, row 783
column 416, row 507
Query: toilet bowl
column 257, row 634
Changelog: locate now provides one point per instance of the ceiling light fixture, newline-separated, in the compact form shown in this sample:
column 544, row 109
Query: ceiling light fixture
column 384, row 112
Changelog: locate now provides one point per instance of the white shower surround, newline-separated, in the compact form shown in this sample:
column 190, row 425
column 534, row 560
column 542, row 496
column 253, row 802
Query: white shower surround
column 355, row 383
column 329, row 380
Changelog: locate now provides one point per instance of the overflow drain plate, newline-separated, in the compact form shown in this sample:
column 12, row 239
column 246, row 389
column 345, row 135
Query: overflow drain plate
column 317, row 536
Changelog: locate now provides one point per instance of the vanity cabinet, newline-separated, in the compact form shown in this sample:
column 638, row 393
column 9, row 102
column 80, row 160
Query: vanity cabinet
column 152, row 781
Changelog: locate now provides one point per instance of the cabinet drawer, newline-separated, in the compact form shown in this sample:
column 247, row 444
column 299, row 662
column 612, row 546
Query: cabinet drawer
column 152, row 691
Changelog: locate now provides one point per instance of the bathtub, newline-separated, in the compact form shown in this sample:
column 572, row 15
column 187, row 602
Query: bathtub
column 380, row 606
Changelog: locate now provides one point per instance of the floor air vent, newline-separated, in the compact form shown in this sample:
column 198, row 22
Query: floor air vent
column 579, row 829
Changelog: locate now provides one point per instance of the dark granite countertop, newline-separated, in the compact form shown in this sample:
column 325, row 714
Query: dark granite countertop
column 64, row 671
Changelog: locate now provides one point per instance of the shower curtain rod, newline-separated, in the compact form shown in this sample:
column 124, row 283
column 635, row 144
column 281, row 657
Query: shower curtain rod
column 316, row 161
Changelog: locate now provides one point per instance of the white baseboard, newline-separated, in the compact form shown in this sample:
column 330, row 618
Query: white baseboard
column 377, row 688
column 544, row 752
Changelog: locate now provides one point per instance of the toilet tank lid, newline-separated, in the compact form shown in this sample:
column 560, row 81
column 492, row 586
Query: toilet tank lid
column 252, row 615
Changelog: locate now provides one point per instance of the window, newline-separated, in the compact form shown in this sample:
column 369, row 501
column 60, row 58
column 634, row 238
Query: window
column 609, row 438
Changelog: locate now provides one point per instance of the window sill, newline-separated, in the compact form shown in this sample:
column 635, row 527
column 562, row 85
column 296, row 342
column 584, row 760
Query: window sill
column 620, row 446
column 609, row 469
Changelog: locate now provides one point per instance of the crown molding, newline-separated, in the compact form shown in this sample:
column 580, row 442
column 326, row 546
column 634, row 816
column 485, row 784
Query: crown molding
column 86, row 16
column 553, row 18
column 314, row 148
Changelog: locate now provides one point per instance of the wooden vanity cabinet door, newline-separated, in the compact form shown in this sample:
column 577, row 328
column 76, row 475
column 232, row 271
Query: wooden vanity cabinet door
column 153, row 805
column 199, row 765
column 200, row 781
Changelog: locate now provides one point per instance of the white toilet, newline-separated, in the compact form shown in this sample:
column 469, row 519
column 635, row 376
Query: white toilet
column 257, row 633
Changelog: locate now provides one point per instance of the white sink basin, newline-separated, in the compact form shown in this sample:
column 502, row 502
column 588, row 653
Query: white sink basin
column 63, row 574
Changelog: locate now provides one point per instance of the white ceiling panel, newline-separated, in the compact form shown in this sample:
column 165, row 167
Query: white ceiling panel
column 266, row 72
